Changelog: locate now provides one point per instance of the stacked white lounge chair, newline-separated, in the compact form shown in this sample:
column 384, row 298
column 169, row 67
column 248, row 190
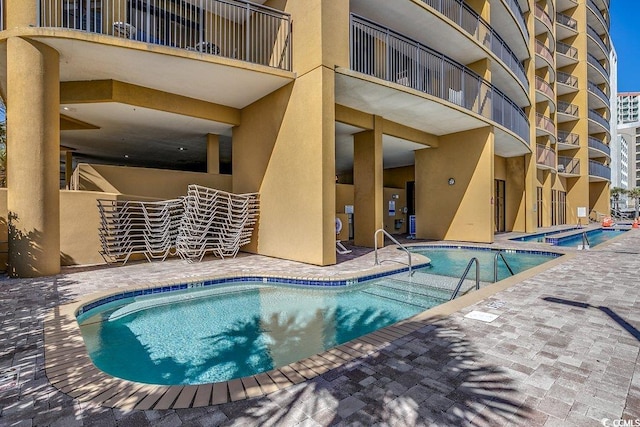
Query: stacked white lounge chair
column 128, row 227
column 205, row 221
column 215, row 222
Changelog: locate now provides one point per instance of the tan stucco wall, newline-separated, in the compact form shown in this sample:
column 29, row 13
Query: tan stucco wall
column 398, row 177
column 462, row 211
column 599, row 197
column 157, row 183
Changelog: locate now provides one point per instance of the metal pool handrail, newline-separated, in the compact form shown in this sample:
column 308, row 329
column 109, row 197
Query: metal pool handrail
column 495, row 266
column 464, row 276
column 375, row 242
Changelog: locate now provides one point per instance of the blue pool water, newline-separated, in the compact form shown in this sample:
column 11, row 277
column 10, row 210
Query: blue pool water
column 595, row 237
column 453, row 261
column 539, row 237
column 225, row 331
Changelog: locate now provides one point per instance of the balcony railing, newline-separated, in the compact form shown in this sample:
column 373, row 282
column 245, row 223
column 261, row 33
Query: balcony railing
column 568, row 165
column 544, row 51
column 567, row 21
column 543, row 16
column 567, row 108
column 545, row 123
column 600, row 170
column 517, row 12
column 469, row 20
column 593, row 88
column 595, row 116
column 567, row 50
column 229, row 28
column 598, row 13
column 568, row 138
column 385, row 54
column 567, row 79
column 599, row 145
column 544, row 87
column 596, row 63
column 594, row 35
column 545, row 156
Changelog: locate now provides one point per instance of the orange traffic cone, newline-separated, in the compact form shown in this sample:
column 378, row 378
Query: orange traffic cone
column 635, row 224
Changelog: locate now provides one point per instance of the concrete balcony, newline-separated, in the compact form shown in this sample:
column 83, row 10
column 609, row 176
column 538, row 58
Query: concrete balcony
column 545, row 157
column 568, row 166
column 598, row 172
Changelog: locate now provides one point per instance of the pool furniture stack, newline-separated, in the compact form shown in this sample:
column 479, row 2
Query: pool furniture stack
column 215, row 222
column 128, row 227
column 205, row 221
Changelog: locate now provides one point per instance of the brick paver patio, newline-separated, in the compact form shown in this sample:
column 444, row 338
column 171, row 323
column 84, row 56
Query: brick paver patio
column 563, row 351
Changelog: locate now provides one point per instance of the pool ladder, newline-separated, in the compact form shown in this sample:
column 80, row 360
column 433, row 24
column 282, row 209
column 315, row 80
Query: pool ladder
column 375, row 242
column 475, row 260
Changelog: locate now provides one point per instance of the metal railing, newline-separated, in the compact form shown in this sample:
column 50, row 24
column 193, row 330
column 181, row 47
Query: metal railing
column 544, row 87
column 566, row 79
column 229, row 28
column 2, row 15
column 593, row 88
column 569, row 138
column 567, row 108
column 566, row 50
column 464, row 276
column 375, row 249
column 598, row 13
column 598, row 169
column 545, row 156
column 544, row 52
column 380, row 52
column 568, row 165
column 471, row 22
column 519, row 15
column 495, row 265
column 567, row 21
column 544, row 17
column 596, row 144
column 598, row 65
column 545, row 123
column 597, row 117
column 595, row 36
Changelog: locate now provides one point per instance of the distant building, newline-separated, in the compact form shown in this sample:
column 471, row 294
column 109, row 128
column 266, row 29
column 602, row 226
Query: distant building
column 628, row 107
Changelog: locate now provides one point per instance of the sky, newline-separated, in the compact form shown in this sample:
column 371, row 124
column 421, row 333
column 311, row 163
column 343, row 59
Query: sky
column 625, row 34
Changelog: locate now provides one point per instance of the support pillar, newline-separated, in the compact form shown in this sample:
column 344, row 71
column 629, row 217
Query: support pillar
column 213, row 153
column 368, row 184
column 33, row 158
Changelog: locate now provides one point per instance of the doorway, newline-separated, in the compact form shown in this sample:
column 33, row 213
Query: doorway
column 500, row 210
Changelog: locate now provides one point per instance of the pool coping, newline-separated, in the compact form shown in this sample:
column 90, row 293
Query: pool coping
column 70, row 369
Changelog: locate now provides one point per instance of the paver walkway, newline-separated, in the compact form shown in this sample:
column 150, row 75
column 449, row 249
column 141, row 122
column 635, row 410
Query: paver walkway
column 563, row 351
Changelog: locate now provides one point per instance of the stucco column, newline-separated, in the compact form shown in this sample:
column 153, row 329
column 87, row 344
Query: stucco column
column 213, row 153
column 33, row 158
column 368, row 184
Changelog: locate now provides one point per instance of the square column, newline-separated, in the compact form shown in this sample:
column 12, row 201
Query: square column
column 368, row 184
column 213, row 153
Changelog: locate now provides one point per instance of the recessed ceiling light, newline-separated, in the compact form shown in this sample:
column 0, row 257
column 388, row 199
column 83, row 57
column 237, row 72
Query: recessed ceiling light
column 182, row 149
column 126, row 156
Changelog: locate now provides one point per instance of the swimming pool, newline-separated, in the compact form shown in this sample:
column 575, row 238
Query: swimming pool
column 595, row 237
column 452, row 260
column 222, row 329
column 540, row 237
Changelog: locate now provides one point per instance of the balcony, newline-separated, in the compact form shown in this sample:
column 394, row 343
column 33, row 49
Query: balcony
column 545, row 125
column 545, row 157
column 599, row 172
column 598, row 14
column 598, row 118
column 599, row 93
column 382, row 53
column 545, row 53
column 238, row 30
column 543, row 17
column 568, row 166
column 545, row 89
column 567, row 26
column 596, row 144
column 595, row 37
column 567, row 112
column 515, row 9
column 567, row 54
column 566, row 83
column 594, row 62
column 568, row 140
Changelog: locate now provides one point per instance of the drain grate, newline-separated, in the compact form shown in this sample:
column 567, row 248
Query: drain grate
column 496, row 304
column 9, row 378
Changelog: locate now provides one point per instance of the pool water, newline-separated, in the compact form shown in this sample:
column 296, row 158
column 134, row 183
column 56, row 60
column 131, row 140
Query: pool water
column 453, row 261
column 235, row 331
column 540, row 237
column 595, row 237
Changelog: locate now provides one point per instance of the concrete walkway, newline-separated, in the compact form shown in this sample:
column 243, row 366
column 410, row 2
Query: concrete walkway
column 564, row 350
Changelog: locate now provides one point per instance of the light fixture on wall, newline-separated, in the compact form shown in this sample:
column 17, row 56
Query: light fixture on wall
column 451, row 181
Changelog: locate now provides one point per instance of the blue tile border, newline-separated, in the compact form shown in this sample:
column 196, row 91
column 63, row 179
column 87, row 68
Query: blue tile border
column 225, row 280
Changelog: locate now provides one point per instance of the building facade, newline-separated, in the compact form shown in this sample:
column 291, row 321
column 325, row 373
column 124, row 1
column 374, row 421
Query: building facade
column 475, row 117
column 628, row 107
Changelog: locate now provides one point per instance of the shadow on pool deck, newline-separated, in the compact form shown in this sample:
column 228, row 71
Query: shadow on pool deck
column 442, row 380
